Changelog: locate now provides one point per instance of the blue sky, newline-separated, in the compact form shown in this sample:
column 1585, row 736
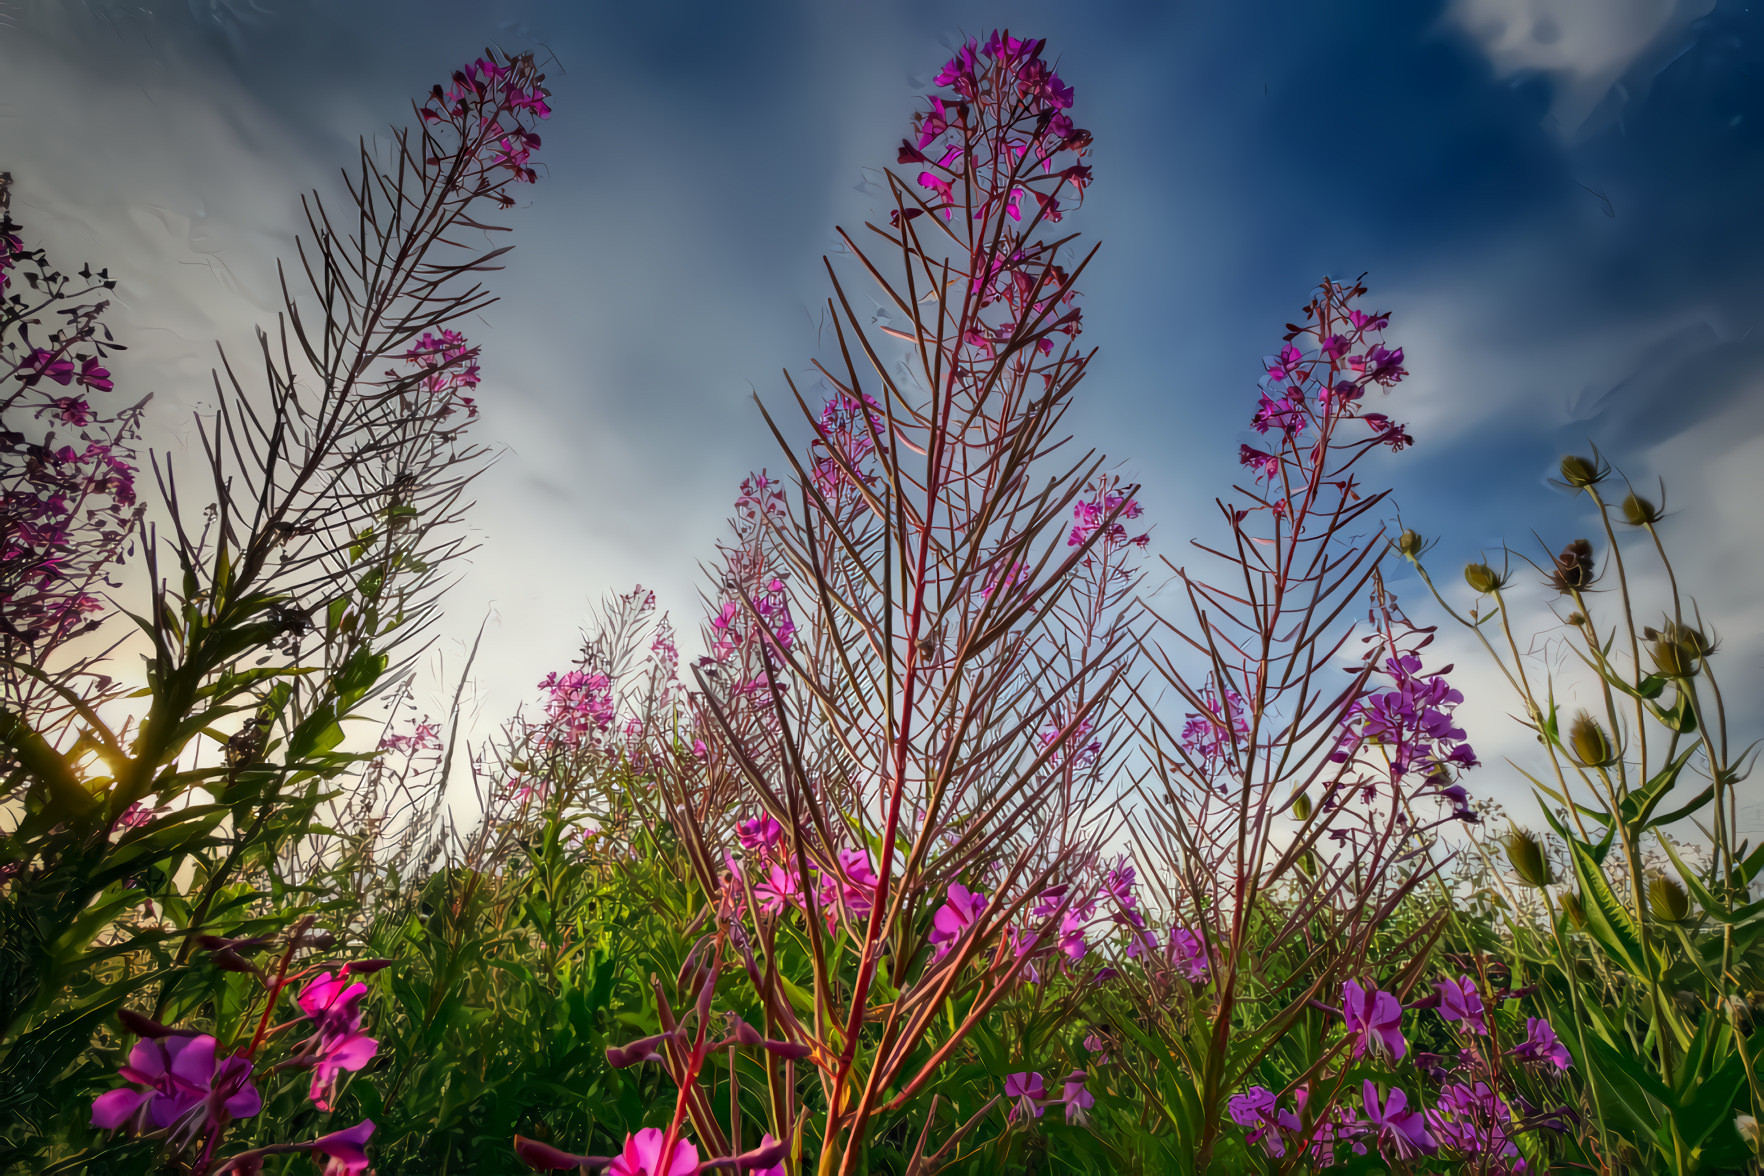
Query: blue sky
column 1557, row 199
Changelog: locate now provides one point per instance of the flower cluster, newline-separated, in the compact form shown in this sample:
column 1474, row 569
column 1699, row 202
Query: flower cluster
column 847, row 885
column 488, row 106
column 446, row 367
column 578, row 706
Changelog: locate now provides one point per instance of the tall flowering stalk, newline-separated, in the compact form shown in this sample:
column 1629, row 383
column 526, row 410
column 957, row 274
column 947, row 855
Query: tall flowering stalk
column 1282, row 822
column 906, row 715
column 306, row 554
column 1652, row 954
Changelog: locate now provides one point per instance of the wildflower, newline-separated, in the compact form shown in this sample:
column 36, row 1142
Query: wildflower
column 1542, row 1045
column 71, row 410
column 337, row 1043
column 178, row 1077
column 1027, row 1090
column 642, row 1156
column 1373, row 1019
column 346, row 1150
column 954, row 917
column 93, row 375
column 1460, row 1001
column 1188, row 951
column 1472, row 1121
column 1574, row 568
column 1401, row 1133
column 1077, row 1099
column 41, row 363
column 1258, row 1108
column 759, row 834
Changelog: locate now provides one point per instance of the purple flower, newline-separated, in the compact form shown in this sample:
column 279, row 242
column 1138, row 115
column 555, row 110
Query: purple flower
column 1188, row 951
column 759, row 834
column 1402, row 1133
column 954, row 917
column 1258, row 1108
column 1459, row 1001
column 346, row 1150
column 41, row 363
column 337, row 1044
column 1542, row 1045
column 179, row 1076
column 1374, row 1020
column 1472, row 1121
column 93, row 375
column 642, row 1156
column 1027, row 1090
column 1077, row 1099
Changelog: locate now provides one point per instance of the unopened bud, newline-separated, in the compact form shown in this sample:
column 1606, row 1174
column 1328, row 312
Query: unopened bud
column 1667, row 899
column 1526, row 854
column 1301, row 806
column 1581, row 472
column 1749, row 1130
column 1639, row 511
column 1577, row 619
column 1482, row 578
column 1307, row 864
column 1590, row 743
column 142, row 1026
column 228, row 960
column 1572, row 908
column 642, row 1050
column 1409, row 544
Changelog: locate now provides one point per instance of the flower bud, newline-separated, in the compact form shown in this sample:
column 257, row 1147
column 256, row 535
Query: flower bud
column 1301, row 806
column 1409, row 544
column 1639, row 511
column 644, row 1049
column 1572, row 908
column 1591, row 745
column 1667, row 899
column 1581, row 472
column 1750, row 1131
column 1482, row 578
column 1526, row 854
column 1577, row 619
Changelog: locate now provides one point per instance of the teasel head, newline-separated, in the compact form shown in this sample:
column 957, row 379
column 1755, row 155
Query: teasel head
column 1526, row 853
column 1483, row 579
column 1410, row 544
column 1667, row 899
column 1677, row 649
column 1581, row 472
column 1574, row 568
column 1639, row 512
column 1589, row 742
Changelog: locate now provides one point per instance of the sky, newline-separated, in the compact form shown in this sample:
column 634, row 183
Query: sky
column 1556, row 199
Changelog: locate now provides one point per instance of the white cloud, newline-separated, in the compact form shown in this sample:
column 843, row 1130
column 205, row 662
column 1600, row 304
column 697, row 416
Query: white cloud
column 1588, row 46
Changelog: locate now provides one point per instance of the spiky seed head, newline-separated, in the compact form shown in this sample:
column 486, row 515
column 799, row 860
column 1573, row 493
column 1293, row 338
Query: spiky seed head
column 1526, row 853
column 1639, row 512
column 1581, row 472
column 1482, row 578
column 1667, row 899
column 1591, row 745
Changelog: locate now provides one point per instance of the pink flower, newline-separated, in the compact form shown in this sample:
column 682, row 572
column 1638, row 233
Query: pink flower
column 1459, row 1001
column 1402, row 1133
column 93, row 375
column 41, row 363
column 338, row 1044
column 1541, row 1044
column 1374, row 1020
column 178, row 1076
column 71, row 410
column 1077, row 1099
column 642, row 1156
column 1027, row 1090
column 759, row 834
column 954, row 917
column 346, row 1150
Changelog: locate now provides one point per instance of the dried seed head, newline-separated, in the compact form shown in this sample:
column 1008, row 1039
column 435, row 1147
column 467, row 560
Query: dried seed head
column 1667, row 899
column 1639, row 511
column 1483, row 578
column 1581, row 472
column 1591, row 745
column 1409, row 544
column 1574, row 568
column 1526, row 854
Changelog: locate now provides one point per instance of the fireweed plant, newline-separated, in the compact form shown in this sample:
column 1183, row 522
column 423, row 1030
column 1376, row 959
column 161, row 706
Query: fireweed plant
column 1652, row 949
column 305, row 556
column 948, row 854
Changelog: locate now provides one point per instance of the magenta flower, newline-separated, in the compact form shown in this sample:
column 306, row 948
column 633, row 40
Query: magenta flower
column 759, row 834
column 954, row 917
column 1542, row 1045
column 1374, row 1020
column 346, row 1150
column 1472, row 1121
column 1459, row 1001
column 1027, row 1090
column 337, row 1044
column 178, row 1076
column 1258, row 1108
column 41, row 363
column 1402, row 1133
column 71, row 410
column 93, row 375
column 1077, row 1099
column 642, row 1156
column 1188, row 951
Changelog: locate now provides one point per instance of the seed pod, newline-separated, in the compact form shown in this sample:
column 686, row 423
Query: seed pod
column 1482, row 578
column 1581, row 472
column 1526, row 854
column 1667, row 899
column 1574, row 568
column 1301, row 806
column 1639, row 511
column 1409, row 544
column 1590, row 743
column 1572, row 908
column 1307, row 864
